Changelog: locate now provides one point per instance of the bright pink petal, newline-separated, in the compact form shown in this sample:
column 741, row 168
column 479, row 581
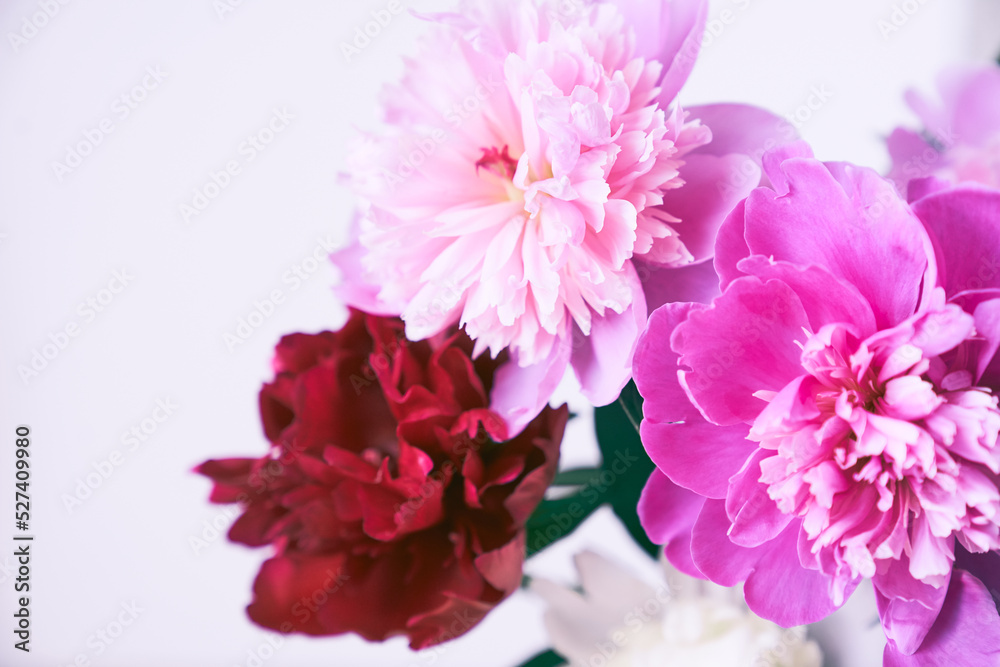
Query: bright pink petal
column 695, row 282
column 721, row 346
column 967, row 631
column 963, row 225
column 755, row 517
column 863, row 225
column 776, row 586
column 731, row 246
column 667, row 513
column 715, row 555
column 674, row 432
column 713, row 186
column 907, row 607
column 826, row 299
column 776, row 176
column 784, row 592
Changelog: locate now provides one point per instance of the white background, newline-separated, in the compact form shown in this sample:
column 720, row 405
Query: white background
column 162, row 336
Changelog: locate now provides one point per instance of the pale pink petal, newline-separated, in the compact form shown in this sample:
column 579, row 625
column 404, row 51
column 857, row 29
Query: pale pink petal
column 520, row 392
column 602, row 361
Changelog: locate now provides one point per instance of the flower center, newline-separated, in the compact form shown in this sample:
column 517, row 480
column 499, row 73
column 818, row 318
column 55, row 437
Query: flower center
column 878, row 458
column 497, row 162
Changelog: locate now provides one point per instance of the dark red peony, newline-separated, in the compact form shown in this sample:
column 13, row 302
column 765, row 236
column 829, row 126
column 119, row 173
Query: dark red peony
column 393, row 498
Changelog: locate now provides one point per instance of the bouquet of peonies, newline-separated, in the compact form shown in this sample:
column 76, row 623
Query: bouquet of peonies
column 814, row 349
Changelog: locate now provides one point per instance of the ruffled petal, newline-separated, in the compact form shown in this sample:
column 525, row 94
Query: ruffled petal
column 674, row 432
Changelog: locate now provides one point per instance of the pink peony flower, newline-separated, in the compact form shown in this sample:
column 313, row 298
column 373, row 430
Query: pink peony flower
column 960, row 140
column 534, row 156
column 832, row 415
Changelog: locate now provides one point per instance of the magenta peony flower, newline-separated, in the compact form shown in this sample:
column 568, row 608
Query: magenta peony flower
column 960, row 140
column 534, row 155
column 832, row 415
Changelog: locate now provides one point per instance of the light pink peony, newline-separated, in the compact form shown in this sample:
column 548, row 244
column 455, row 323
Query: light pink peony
column 534, row 154
column 833, row 415
column 960, row 138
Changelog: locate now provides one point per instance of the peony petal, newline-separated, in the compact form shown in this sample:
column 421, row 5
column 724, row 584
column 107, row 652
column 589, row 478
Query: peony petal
column 669, row 31
column 962, row 223
column 742, row 128
column 907, row 606
column 674, row 432
column 521, row 392
column 668, row 513
column 776, row 586
column 694, row 282
column 731, row 246
column 755, row 517
column 863, row 224
column 713, row 185
column 720, row 346
column 602, row 361
column 967, row 631
column 826, row 299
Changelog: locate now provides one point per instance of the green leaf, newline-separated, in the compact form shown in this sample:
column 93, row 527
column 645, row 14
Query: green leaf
column 618, row 482
column 625, row 460
column 546, row 659
column 556, row 518
column 575, row 477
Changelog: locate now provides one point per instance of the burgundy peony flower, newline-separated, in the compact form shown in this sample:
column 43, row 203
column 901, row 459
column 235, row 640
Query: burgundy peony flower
column 390, row 495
